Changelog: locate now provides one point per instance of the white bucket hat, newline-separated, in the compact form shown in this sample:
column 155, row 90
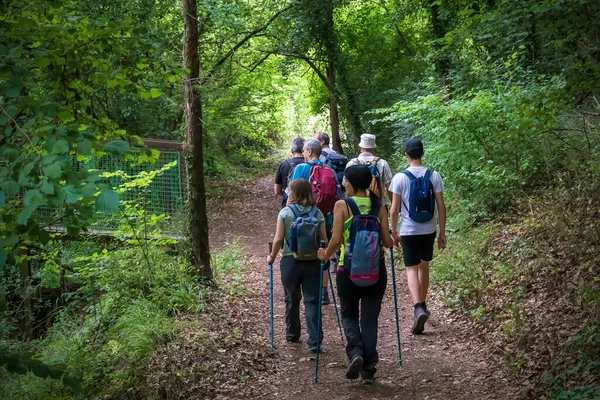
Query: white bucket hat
column 367, row 141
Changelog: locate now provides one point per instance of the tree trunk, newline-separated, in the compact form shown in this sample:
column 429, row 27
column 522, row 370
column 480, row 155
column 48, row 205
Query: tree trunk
column 442, row 60
column 338, row 69
column 334, row 117
column 198, row 220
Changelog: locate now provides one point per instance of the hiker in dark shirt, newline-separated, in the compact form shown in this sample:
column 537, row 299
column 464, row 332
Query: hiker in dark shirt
column 285, row 168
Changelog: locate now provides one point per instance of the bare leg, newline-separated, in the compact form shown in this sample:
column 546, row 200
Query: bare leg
column 423, row 279
column 325, row 279
column 414, row 287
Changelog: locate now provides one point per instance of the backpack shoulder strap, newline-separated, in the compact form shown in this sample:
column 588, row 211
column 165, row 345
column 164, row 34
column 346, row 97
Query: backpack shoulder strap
column 313, row 211
column 295, row 210
column 352, row 205
column 428, row 174
column 409, row 174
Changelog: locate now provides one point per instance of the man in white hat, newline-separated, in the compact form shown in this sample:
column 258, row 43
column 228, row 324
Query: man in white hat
column 380, row 167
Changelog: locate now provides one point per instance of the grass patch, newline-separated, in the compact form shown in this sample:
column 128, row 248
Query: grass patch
column 123, row 309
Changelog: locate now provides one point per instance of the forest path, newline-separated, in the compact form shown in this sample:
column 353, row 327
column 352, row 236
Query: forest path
column 447, row 362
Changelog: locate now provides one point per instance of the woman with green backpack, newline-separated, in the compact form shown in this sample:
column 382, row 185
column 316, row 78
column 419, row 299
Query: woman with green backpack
column 300, row 227
column 360, row 226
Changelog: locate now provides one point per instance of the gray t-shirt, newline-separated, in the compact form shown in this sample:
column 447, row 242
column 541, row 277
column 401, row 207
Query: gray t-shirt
column 401, row 186
column 324, row 153
column 287, row 216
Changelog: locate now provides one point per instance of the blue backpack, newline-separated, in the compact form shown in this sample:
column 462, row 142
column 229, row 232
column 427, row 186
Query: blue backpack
column 303, row 232
column 363, row 250
column 421, row 201
column 337, row 162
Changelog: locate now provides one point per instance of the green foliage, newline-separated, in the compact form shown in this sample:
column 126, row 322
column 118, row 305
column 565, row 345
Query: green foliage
column 490, row 146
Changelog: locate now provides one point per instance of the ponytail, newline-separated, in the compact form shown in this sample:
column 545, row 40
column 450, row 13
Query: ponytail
column 375, row 203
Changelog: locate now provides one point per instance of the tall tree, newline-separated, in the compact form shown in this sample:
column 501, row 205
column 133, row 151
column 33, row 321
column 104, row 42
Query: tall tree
column 198, row 220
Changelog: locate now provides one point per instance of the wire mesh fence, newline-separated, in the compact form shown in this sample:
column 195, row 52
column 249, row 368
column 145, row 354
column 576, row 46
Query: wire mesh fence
column 163, row 195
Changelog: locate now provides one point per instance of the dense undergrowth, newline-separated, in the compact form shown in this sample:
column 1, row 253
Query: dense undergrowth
column 120, row 303
column 524, row 241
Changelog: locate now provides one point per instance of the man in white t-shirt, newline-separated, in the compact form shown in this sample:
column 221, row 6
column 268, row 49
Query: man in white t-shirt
column 367, row 156
column 417, row 238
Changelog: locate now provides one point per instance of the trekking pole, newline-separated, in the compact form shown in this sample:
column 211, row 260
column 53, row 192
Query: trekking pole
column 337, row 314
column 271, row 301
column 322, row 244
column 396, row 304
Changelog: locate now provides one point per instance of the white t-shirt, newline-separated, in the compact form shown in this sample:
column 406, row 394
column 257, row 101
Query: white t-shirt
column 401, row 186
column 382, row 166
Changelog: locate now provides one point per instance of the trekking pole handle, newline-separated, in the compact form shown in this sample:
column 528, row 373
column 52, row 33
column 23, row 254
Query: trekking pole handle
column 270, row 247
column 322, row 244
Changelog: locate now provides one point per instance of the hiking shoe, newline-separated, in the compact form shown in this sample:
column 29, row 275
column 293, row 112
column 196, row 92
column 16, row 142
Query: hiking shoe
column 293, row 340
column 325, row 298
column 426, row 310
column 354, row 368
column 419, row 321
column 367, row 377
column 313, row 349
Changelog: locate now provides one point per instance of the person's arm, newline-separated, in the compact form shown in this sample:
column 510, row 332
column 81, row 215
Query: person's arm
column 338, row 231
column 322, row 232
column 386, row 238
column 395, row 214
column 278, row 190
column 277, row 241
column 441, row 209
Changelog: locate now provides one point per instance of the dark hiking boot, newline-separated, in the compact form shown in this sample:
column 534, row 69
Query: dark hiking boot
column 367, row 377
column 426, row 310
column 293, row 340
column 419, row 321
column 353, row 371
column 313, row 349
column 325, row 298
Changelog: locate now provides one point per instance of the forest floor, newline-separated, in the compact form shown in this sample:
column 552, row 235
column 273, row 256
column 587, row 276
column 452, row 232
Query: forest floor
column 449, row 361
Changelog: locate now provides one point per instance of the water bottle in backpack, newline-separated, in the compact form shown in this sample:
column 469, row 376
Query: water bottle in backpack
column 421, row 199
column 302, row 239
column 376, row 186
column 363, row 250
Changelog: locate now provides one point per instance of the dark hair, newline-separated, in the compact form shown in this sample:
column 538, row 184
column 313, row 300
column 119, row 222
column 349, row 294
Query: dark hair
column 360, row 177
column 297, row 145
column 323, row 137
column 301, row 193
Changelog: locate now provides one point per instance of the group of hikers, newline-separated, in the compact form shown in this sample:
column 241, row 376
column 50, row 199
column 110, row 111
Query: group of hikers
column 336, row 217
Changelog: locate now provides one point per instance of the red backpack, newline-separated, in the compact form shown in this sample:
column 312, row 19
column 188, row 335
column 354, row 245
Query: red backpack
column 324, row 186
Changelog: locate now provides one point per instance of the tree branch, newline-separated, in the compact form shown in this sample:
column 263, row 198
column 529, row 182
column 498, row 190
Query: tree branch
column 249, row 36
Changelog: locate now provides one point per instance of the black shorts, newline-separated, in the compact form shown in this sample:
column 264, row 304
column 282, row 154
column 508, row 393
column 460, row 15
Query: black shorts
column 416, row 248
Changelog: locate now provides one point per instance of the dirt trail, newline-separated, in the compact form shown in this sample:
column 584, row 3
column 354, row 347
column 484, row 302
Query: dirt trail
column 447, row 362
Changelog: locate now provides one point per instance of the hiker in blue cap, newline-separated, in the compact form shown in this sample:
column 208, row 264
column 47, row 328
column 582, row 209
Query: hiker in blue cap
column 300, row 226
column 360, row 226
column 417, row 191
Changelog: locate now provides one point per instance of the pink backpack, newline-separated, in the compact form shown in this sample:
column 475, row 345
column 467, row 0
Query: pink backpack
column 324, row 186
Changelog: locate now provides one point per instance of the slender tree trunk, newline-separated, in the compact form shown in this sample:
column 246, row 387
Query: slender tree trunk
column 334, row 117
column 336, row 64
column 198, row 220
column 442, row 61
